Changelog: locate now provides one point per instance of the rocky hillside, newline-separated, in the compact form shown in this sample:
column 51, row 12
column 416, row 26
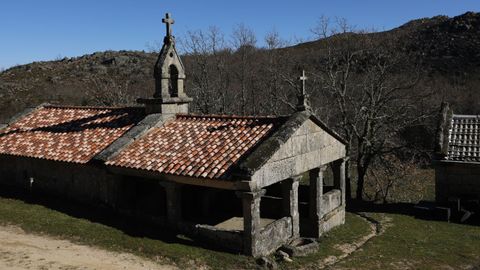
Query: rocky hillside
column 448, row 43
column 444, row 43
column 75, row 80
column 448, row 47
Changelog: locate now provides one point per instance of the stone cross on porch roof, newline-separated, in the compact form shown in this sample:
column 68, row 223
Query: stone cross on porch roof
column 168, row 22
column 303, row 103
column 303, row 79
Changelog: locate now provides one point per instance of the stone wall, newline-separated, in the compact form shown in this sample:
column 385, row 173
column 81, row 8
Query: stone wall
column 330, row 201
column 7, row 174
column 308, row 148
column 76, row 182
column 332, row 219
column 273, row 236
column 229, row 239
column 457, row 180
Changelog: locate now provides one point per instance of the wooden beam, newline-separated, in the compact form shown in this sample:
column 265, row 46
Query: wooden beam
column 204, row 182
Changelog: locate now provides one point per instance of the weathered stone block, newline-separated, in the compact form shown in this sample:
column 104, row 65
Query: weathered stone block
column 333, row 219
column 284, row 152
column 273, row 236
column 315, row 141
column 301, row 247
column 231, row 240
column 276, row 171
column 330, row 201
column 313, row 128
column 299, row 145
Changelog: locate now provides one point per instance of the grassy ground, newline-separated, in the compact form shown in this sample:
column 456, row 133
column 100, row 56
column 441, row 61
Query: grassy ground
column 178, row 250
column 407, row 243
column 410, row 243
column 355, row 228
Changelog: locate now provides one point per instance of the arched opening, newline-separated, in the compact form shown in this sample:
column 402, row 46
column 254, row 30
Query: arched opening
column 173, row 82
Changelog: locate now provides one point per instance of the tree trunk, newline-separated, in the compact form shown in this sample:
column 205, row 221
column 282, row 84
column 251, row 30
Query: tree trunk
column 360, row 183
column 348, row 181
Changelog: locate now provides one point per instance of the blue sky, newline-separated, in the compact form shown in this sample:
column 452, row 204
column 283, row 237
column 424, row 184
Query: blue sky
column 34, row 30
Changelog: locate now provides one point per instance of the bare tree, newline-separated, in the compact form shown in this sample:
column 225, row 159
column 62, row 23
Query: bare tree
column 357, row 81
column 374, row 101
column 154, row 46
column 108, row 91
column 277, row 81
column 322, row 28
column 244, row 42
column 207, row 53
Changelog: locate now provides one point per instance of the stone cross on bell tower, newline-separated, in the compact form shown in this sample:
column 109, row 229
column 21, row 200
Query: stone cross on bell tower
column 169, row 97
column 303, row 103
column 168, row 23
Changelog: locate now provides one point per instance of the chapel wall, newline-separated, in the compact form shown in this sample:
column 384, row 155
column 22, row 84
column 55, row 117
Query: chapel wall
column 309, row 147
column 457, row 180
column 82, row 183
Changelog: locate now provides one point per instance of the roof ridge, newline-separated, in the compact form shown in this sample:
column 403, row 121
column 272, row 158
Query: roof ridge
column 92, row 107
column 229, row 116
column 466, row 115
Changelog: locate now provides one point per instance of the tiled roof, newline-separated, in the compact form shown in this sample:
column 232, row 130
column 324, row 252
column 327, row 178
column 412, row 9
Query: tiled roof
column 197, row 146
column 71, row 134
column 464, row 138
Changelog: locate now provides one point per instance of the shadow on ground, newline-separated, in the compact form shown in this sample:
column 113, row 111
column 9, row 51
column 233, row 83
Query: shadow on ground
column 407, row 209
column 132, row 226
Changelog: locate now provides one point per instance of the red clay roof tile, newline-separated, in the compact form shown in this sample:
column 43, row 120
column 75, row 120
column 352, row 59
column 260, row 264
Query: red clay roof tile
column 198, row 146
column 71, row 134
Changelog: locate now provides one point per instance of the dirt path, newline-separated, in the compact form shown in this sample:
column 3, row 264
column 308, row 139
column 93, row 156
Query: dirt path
column 19, row 250
column 376, row 228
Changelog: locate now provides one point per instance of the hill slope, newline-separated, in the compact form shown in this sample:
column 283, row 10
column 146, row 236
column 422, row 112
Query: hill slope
column 449, row 48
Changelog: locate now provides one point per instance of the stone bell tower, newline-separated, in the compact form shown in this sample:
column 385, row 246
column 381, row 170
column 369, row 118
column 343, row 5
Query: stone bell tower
column 169, row 97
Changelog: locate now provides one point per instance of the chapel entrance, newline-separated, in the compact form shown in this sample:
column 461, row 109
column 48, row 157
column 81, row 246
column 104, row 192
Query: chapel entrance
column 142, row 198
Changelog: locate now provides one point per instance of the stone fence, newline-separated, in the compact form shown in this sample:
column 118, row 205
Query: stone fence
column 229, row 239
column 330, row 201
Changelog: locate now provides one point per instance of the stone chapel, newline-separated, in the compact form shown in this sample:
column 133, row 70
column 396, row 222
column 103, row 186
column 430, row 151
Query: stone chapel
column 457, row 158
column 247, row 183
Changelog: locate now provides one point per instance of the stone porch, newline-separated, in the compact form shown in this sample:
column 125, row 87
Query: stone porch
column 265, row 221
